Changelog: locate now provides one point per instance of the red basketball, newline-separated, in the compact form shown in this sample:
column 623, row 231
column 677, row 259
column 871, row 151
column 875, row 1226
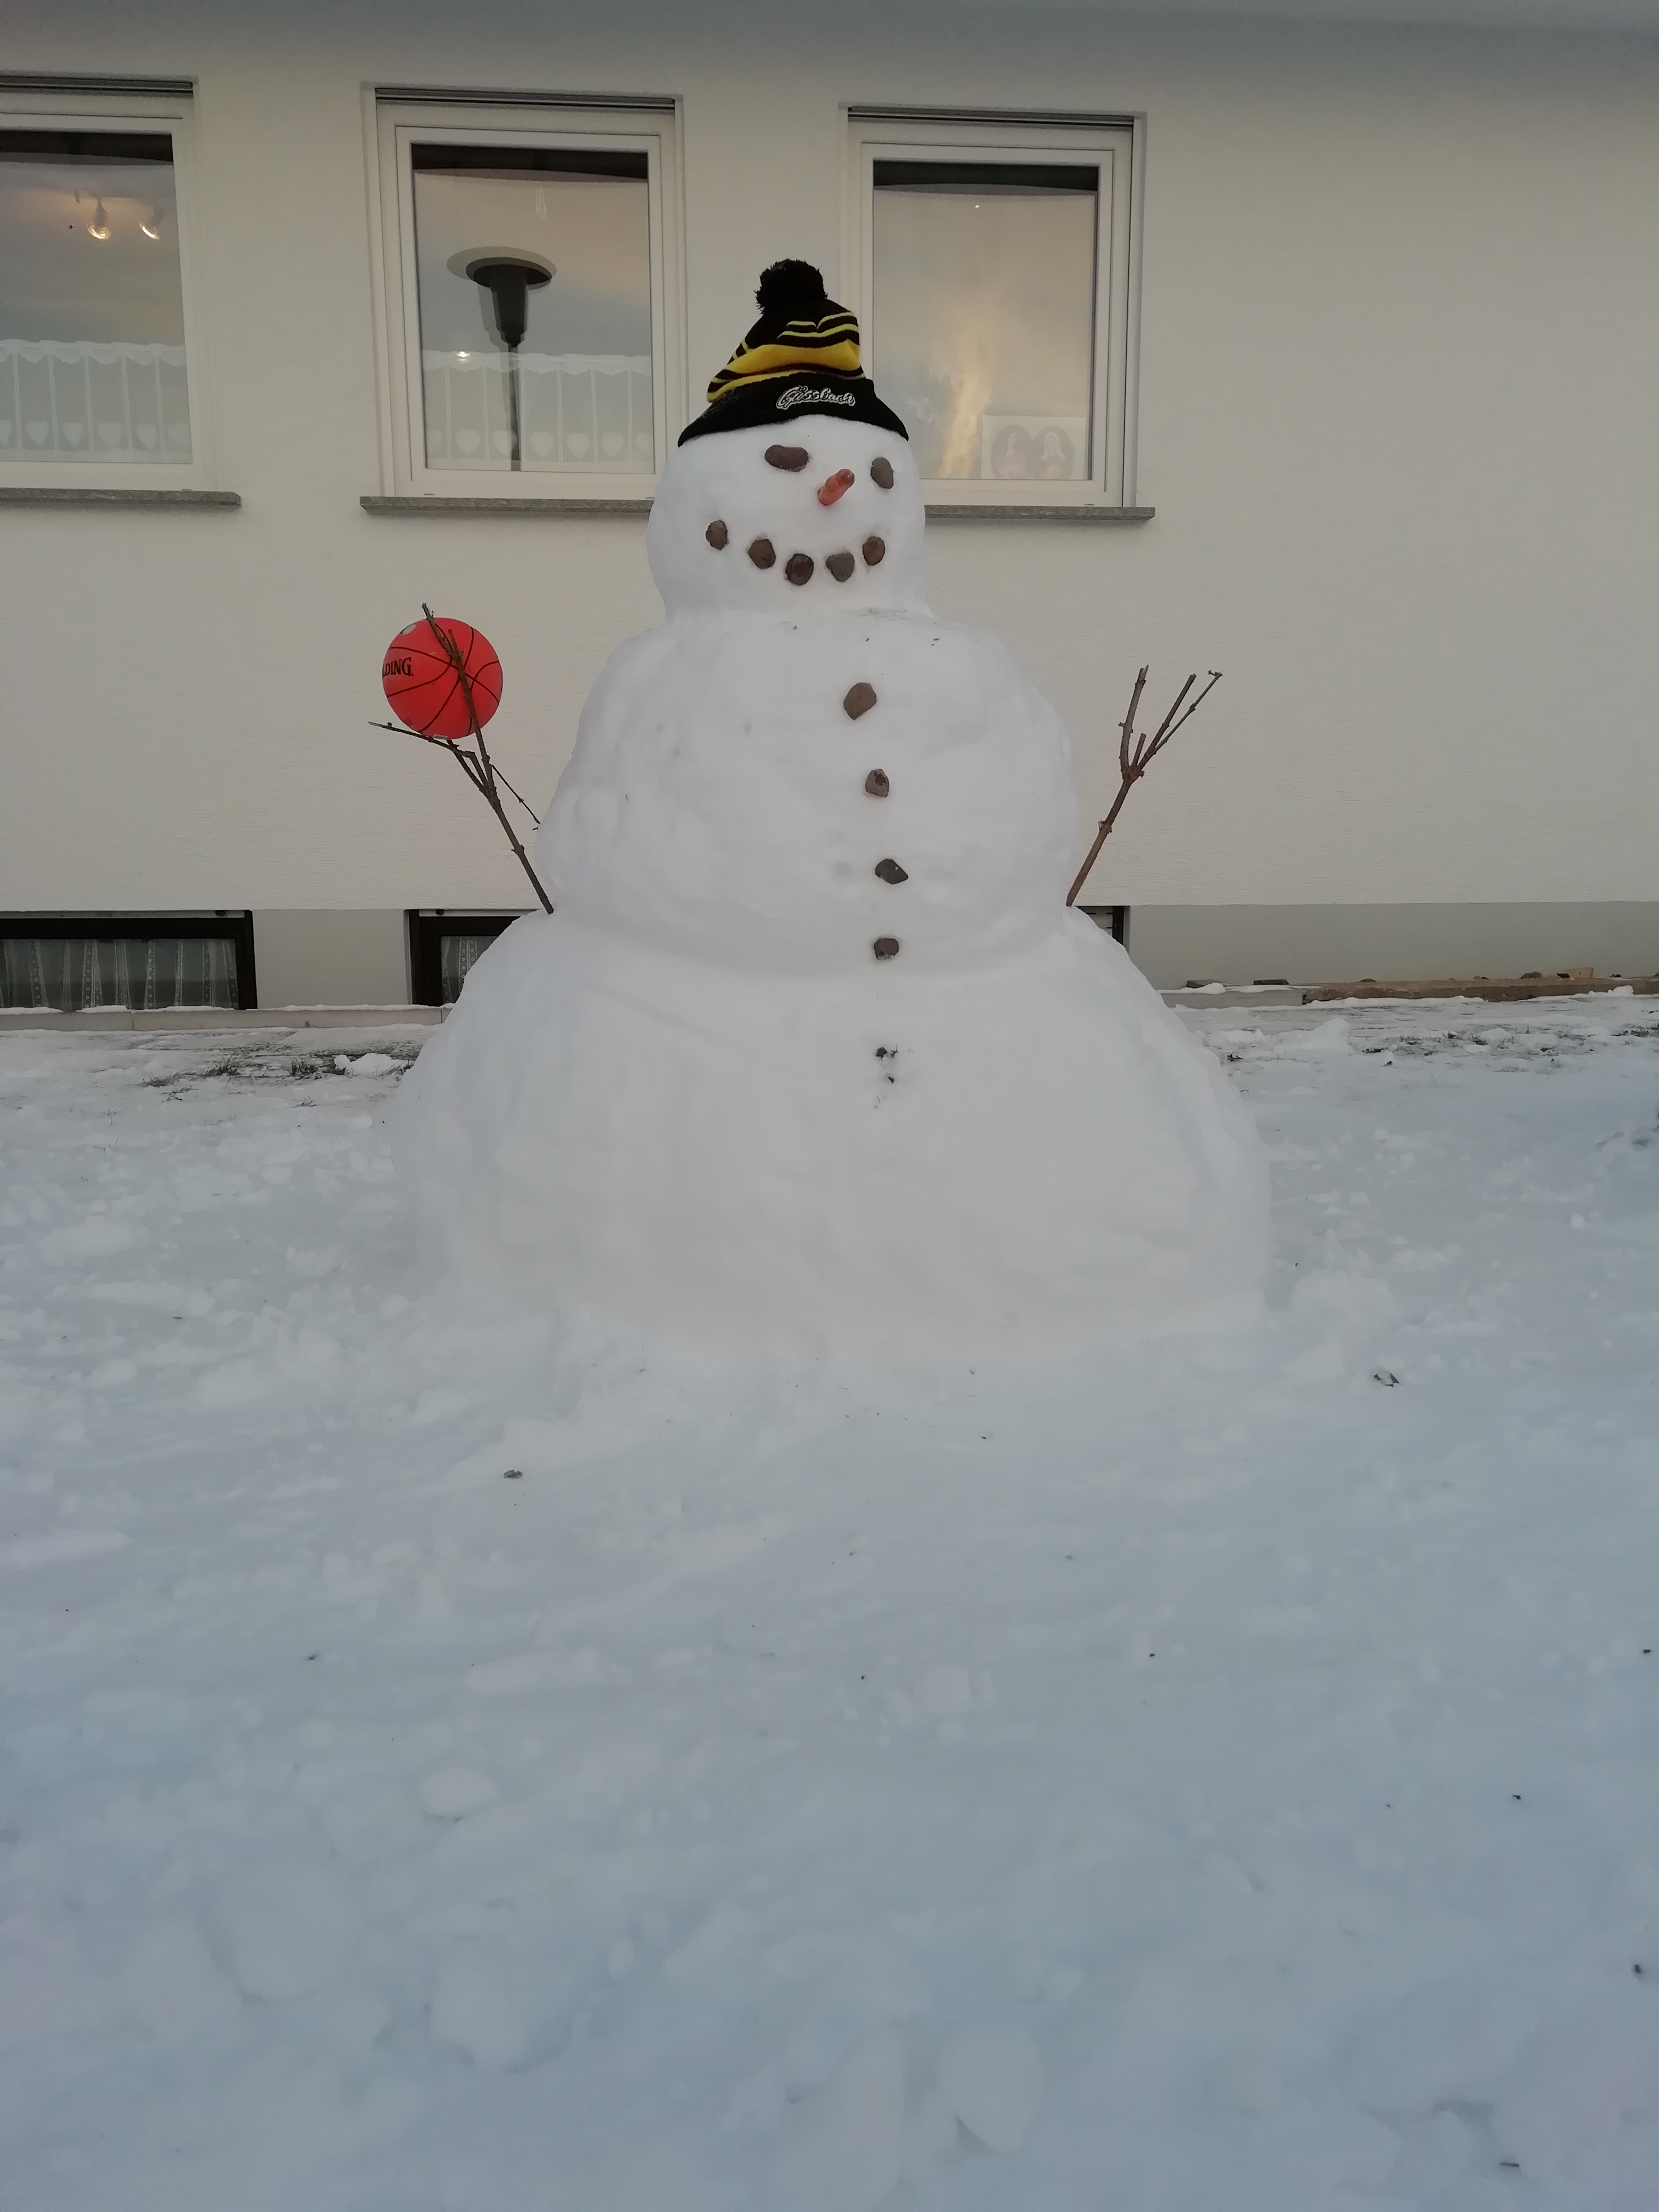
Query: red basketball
column 423, row 685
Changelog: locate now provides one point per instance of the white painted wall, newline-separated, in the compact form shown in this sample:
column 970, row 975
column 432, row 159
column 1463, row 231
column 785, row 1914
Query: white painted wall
column 1400, row 419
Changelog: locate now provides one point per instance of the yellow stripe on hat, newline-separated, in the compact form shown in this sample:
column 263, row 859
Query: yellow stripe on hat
column 832, row 343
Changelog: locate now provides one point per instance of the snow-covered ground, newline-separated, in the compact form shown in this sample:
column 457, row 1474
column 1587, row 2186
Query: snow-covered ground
column 447, row 1768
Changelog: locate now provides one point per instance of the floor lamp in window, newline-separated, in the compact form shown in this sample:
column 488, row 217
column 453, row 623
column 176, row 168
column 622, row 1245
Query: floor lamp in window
column 507, row 280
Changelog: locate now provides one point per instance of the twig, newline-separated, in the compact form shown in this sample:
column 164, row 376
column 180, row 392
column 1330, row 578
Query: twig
column 535, row 817
column 487, row 781
column 443, row 744
column 1135, row 755
column 481, row 772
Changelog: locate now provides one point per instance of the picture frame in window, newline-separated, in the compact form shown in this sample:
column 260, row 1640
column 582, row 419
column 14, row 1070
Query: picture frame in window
column 1028, row 421
column 512, row 423
column 107, row 411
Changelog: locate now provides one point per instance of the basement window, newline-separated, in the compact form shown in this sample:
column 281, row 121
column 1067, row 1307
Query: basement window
column 1114, row 920
column 76, row 963
column 442, row 948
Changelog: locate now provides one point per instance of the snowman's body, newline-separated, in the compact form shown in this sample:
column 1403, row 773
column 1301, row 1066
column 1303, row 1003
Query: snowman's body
column 810, row 1056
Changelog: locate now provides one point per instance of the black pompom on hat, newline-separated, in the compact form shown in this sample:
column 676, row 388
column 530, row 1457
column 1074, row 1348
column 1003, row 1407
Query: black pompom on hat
column 800, row 358
column 789, row 288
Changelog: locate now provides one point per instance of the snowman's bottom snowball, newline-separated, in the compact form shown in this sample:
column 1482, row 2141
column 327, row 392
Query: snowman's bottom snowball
column 1024, row 1157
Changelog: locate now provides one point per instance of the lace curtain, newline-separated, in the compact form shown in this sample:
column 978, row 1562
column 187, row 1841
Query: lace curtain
column 75, row 401
column 71, row 974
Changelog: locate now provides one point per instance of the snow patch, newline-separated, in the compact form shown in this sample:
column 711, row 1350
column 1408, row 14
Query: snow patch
column 485, row 2002
column 54, row 1545
column 289, row 1926
column 846, row 2154
column 449, row 1793
column 171, row 1982
column 991, row 2074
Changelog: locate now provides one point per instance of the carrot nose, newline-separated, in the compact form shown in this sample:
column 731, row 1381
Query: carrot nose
column 833, row 487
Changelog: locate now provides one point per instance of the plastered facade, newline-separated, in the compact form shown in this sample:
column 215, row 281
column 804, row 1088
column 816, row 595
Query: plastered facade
column 1398, row 418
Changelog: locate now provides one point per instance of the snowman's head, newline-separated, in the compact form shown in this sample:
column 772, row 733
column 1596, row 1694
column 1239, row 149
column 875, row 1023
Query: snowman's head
column 806, row 516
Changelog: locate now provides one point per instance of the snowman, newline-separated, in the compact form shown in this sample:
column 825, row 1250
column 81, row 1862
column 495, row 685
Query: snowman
column 810, row 1059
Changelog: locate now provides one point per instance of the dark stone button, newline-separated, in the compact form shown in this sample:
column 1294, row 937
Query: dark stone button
column 876, row 783
column 885, row 948
column 875, row 551
column 798, row 568
column 891, row 873
column 882, row 470
column 793, row 457
column 718, row 536
column 761, row 553
column 840, row 566
column 859, row 700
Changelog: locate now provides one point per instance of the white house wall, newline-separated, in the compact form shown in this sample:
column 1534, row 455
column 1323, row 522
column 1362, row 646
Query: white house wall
column 1399, row 419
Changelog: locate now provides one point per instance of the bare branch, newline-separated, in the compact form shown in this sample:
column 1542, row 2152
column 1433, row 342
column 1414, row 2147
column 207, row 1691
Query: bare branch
column 519, row 795
column 1101, row 835
column 1127, row 725
column 474, row 773
column 1136, row 756
column 481, row 770
column 1169, row 725
column 403, row 730
column 451, row 745
column 1156, row 743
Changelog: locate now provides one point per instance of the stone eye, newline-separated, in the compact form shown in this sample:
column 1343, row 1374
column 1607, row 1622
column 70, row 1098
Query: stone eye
column 793, row 457
column 718, row 536
column 881, row 469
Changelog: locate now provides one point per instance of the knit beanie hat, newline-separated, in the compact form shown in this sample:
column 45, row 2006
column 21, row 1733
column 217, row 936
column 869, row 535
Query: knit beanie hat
column 800, row 358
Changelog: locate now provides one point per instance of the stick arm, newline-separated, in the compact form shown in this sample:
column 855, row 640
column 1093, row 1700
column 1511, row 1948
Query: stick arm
column 1136, row 756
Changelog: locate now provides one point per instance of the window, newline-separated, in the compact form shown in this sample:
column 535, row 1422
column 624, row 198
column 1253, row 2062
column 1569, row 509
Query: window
column 532, row 351
column 995, row 266
column 73, row 963
column 96, row 353
column 1114, row 920
column 442, row 947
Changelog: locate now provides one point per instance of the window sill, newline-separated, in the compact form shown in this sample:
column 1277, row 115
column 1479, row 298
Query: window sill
column 282, row 1019
column 435, row 503
column 90, row 496
column 950, row 510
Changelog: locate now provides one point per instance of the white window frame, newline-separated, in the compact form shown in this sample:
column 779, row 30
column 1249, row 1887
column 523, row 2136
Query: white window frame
column 398, row 120
column 1118, row 145
column 138, row 108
